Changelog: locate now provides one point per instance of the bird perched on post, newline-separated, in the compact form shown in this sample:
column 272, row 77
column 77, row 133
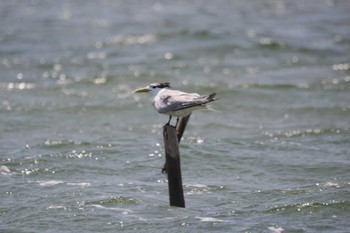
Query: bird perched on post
column 174, row 102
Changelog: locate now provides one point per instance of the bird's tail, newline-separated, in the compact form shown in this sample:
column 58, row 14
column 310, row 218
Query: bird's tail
column 211, row 97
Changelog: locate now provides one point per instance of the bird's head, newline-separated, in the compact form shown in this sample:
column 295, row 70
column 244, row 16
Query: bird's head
column 153, row 88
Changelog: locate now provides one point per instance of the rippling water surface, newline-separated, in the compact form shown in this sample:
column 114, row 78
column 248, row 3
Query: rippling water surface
column 79, row 153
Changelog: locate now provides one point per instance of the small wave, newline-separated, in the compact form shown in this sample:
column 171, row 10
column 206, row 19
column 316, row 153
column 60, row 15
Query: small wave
column 79, row 154
column 113, row 200
column 305, row 132
column 124, row 211
column 274, row 86
column 5, row 170
column 210, row 219
column 298, row 207
column 57, row 182
column 197, row 185
column 275, row 229
column 326, row 84
column 271, row 43
column 63, row 143
column 55, row 207
column 130, row 40
column 197, row 33
column 82, row 184
column 196, row 189
column 50, row 182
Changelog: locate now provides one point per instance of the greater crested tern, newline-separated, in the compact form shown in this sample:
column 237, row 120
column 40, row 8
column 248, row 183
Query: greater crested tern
column 174, row 102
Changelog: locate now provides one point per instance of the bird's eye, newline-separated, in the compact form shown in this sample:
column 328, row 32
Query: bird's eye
column 153, row 87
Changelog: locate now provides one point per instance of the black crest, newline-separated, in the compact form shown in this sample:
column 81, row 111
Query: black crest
column 161, row 85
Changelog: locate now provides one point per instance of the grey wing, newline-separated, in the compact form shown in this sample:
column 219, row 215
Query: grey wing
column 173, row 100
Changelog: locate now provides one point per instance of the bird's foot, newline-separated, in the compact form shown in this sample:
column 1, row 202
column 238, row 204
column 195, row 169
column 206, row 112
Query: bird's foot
column 168, row 123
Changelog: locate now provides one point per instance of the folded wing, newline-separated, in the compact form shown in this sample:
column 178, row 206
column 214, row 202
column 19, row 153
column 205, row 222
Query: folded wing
column 173, row 100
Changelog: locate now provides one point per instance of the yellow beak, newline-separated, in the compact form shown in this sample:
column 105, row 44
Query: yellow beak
column 140, row 90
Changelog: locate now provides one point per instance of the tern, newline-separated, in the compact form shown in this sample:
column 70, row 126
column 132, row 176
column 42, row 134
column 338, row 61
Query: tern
column 175, row 103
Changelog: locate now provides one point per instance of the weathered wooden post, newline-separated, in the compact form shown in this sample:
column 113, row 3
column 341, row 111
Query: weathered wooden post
column 172, row 166
column 180, row 129
column 172, row 157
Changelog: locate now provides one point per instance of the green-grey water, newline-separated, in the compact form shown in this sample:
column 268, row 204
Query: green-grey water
column 79, row 153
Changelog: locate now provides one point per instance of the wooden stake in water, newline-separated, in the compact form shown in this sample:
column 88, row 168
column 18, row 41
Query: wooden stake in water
column 172, row 136
column 181, row 126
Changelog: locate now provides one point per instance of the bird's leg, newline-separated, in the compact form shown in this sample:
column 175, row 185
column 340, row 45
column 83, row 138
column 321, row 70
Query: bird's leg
column 169, row 120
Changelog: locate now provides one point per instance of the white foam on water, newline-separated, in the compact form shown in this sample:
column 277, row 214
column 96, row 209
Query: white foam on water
column 50, row 182
column 123, row 211
column 56, row 207
column 56, row 182
column 82, row 184
column 275, row 229
column 210, row 219
column 5, row 170
column 330, row 184
column 197, row 185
